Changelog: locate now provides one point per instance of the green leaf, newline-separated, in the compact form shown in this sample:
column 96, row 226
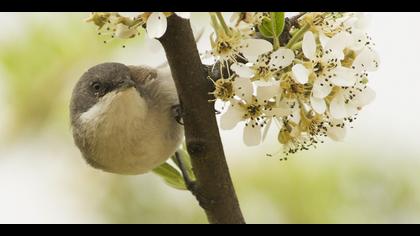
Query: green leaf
column 278, row 23
column 273, row 26
column 186, row 160
column 265, row 29
column 171, row 176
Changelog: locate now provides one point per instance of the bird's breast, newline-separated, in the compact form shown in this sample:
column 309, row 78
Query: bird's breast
column 124, row 136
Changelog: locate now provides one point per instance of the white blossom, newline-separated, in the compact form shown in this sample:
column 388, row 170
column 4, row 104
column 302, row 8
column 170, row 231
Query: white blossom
column 226, row 48
column 265, row 65
column 254, row 110
column 320, row 93
column 156, row 23
column 326, row 67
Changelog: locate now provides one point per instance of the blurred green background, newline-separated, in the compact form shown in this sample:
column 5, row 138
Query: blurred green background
column 373, row 177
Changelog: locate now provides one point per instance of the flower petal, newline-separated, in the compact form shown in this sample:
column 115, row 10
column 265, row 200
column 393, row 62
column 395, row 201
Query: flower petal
column 339, row 41
column 338, row 107
column 334, row 49
column 156, row 25
column 309, row 45
column 367, row 60
column 185, row 15
column 323, row 39
column 318, row 104
column 282, row 58
column 266, row 129
column 278, row 112
column 300, row 73
column 295, row 116
column 343, row 77
column 365, row 97
column 321, row 89
column 242, row 70
column 231, row 117
column 266, row 92
column 359, row 39
column 252, row 135
column 130, row 14
column 268, row 82
column 243, row 88
column 255, row 47
column 337, row 133
column 363, row 20
column 351, row 109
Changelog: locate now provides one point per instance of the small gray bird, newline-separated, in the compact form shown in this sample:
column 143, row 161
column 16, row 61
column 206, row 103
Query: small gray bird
column 123, row 117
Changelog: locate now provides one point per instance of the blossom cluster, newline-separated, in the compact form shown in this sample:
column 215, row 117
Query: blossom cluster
column 129, row 24
column 311, row 86
column 309, row 78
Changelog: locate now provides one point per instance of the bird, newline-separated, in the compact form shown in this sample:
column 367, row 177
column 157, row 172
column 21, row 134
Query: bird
column 125, row 119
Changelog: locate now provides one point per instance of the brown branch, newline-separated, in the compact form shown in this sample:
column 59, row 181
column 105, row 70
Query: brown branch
column 288, row 24
column 213, row 187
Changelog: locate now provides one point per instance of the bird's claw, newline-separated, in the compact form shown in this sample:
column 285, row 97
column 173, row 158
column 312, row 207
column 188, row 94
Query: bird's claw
column 178, row 113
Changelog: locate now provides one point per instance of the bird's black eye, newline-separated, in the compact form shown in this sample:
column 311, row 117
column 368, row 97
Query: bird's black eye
column 96, row 86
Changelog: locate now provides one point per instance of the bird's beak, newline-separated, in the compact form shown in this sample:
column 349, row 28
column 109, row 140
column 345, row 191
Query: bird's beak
column 126, row 84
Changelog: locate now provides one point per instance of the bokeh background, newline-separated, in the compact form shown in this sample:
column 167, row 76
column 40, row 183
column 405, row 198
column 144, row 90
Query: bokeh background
column 371, row 177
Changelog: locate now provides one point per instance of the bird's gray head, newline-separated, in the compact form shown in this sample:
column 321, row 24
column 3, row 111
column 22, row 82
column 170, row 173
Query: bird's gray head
column 96, row 83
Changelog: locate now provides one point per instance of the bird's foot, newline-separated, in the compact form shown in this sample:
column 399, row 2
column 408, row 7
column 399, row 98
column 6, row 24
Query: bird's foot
column 178, row 113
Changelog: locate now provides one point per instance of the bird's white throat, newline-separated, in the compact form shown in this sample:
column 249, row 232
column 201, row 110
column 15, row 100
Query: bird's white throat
column 116, row 106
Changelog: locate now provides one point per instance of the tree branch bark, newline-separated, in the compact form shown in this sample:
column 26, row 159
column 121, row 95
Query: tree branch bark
column 213, row 187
